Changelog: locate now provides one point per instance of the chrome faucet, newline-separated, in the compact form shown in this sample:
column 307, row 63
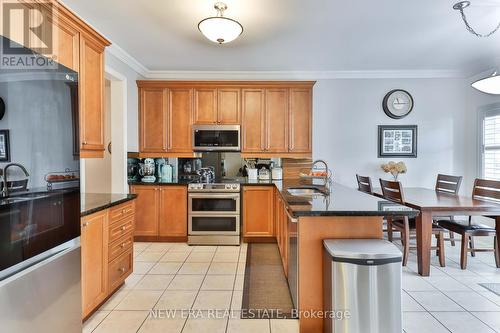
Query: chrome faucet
column 5, row 191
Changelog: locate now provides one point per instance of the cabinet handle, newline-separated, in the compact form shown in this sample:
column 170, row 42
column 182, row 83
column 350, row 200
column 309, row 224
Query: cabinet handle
column 84, row 224
column 122, row 269
column 123, row 245
column 84, row 143
column 124, row 211
column 124, row 228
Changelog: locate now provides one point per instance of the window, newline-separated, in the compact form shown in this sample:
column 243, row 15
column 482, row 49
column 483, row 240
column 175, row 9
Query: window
column 490, row 144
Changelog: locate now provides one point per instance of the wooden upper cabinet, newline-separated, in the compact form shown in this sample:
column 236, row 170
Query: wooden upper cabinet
column 146, row 210
column 94, row 241
column 153, row 120
column 258, row 211
column 66, row 41
column 253, row 117
column 173, row 211
column 180, row 120
column 205, row 106
column 276, row 120
column 91, row 92
column 217, row 106
column 229, row 106
column 300, row 120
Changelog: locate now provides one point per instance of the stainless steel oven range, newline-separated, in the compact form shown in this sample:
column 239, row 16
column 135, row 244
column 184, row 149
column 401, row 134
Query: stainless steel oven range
column 214, row 214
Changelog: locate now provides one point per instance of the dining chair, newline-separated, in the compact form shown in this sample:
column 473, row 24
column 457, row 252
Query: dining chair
column 488, row 190
column 393, row 191
column 364, row 184
column 448, row 184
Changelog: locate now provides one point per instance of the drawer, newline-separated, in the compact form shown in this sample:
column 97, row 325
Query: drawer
column 120, row 246
column 118, row 230
column 119, row 212
column 119, row 269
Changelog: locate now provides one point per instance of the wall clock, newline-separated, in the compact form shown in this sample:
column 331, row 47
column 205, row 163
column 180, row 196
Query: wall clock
column 397, row 103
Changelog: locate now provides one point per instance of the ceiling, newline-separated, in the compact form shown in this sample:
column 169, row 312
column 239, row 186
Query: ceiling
column 298, row 35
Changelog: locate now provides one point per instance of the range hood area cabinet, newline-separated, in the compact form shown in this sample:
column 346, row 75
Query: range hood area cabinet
column 79, row 47
column 275, row 116
column 217, row 106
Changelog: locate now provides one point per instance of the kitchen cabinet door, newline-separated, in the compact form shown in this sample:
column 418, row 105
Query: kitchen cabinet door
column 94, row 243
column 205, row 106
column 300, row 120
column 180, row 120
column 173, row 211
column 276, row 120
column 146, row 210
column 258, row 211
column 228, row 106
column 153, row 120
column 66, row 43
column 253, row 119
column 91, row 92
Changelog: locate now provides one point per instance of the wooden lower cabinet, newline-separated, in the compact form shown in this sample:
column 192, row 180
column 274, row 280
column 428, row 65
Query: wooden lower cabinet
column 281, row 226
column 173, row 211
column 258, row 211
column 94, row 242
column 107, row 253
column 147, row 208
column 161, row 212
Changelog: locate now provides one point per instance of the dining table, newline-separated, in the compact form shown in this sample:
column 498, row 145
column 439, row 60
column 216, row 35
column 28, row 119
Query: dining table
column 432, row 204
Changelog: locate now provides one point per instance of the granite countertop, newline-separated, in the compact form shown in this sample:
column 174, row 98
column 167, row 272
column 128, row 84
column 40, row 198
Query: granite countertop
column 342, row 201
column 175, row 181
column 94, row 202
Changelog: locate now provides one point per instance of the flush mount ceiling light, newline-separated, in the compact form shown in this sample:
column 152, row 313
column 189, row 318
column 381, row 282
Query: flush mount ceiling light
column 460, row 6
column 489, row 85
column 220, row 29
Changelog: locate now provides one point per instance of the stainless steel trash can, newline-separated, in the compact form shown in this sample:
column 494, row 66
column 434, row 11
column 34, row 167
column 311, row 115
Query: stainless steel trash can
column 362, row 286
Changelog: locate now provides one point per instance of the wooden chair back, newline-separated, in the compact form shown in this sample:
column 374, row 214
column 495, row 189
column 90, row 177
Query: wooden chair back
column 392, row 190
column 364, row 184
column 448, row 184
column 486, row 190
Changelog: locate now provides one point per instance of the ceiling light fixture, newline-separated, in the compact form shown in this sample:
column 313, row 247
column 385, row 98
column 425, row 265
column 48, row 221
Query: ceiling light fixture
column 220, row 29
column 489, row 85
column 460, row 6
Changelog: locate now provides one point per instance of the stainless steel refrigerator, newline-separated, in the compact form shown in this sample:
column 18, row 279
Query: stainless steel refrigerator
column 40, row 273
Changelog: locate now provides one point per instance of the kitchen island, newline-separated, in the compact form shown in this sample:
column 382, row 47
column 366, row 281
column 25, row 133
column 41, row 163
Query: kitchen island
column 299, row 221
column 343, row 214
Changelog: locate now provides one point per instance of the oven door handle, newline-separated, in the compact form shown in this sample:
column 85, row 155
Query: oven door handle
column 212, row 195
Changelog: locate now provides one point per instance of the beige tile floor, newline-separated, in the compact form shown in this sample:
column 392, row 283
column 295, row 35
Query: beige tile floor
column 172, row 276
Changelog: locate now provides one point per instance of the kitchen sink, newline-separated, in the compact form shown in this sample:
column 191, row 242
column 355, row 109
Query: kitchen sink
column 21, row 198
column 301, row 191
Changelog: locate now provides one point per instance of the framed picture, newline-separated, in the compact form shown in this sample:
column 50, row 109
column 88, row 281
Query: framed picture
column 397, row 141
column 4, row 146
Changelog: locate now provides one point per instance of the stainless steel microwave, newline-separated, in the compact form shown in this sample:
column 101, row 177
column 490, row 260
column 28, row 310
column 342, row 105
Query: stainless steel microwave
column 216, row 138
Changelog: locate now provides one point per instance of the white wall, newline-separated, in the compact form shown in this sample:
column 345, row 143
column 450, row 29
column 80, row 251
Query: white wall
column 347, row 113
column 132, row 98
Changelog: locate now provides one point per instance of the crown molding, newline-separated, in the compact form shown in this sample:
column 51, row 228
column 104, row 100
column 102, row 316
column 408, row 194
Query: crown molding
column 302, row 75
column 127, row 59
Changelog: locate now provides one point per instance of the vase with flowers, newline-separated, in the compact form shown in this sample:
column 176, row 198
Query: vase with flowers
column 395, row 169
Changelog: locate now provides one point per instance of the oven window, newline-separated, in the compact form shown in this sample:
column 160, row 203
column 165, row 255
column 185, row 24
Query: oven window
column 213, row 204
column 216, row 138
column 219, row 223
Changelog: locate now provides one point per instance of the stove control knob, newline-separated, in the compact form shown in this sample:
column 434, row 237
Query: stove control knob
column 235, row 187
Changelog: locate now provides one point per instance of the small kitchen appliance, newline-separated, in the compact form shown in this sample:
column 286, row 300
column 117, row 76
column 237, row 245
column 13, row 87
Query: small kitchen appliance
column 277, row 173
column 264, row 174
column 166, row 173
column 147, row 170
